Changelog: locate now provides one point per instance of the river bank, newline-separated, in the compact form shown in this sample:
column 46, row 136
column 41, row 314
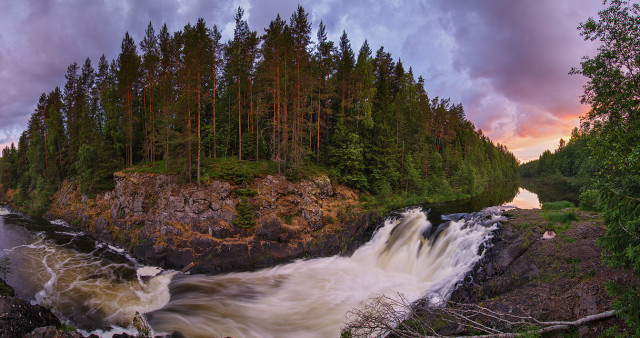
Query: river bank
column 540, row 270
column 220, row 226
column 559, row 278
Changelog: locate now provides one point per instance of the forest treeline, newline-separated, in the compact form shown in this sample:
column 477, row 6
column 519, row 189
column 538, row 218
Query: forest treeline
column 603, row 157
column 570, row 161
column 187, row 99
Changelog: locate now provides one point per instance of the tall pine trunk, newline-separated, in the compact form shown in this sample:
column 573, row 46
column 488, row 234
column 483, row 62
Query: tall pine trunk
column 199, row 140
column 215, row 139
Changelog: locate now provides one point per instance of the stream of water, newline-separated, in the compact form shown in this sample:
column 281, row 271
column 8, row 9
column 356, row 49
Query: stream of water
column 99, row 288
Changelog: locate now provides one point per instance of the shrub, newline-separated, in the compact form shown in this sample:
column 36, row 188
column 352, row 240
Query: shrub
column 246, row 219
column 246, row 192
column 590, row 200
column 288, row 219
column 557, row 205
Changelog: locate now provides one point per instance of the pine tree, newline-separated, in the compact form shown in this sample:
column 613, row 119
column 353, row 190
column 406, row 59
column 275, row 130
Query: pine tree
column 128, row 72
column 150, row 70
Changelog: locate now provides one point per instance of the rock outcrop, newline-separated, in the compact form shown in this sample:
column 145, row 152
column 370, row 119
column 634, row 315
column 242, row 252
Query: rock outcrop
column 166, row 223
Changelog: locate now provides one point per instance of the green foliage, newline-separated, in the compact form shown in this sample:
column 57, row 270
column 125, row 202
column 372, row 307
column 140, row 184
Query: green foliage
column 5, row 268
column 246, row 192
column 557, row 205
column 4, row 289
column 612, row 332
column 626, row 304
column 590, row 200
column 530, row 331
column 67, row 327
column 614, row 133
column 246, row 218
column 346, row 155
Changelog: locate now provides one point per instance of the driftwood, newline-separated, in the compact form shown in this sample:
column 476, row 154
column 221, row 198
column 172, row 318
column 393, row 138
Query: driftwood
column 384, row 316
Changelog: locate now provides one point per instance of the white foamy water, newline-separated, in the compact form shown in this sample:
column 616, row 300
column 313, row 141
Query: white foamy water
column 311, row 298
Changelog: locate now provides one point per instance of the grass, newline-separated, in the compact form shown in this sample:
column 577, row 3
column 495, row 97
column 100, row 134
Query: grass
column 561, row 216
column 67, row 327
column 288, row 219
column 557, row 205
column 5, row 266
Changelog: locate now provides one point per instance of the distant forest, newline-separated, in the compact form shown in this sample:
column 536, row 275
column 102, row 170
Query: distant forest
column 186, row 101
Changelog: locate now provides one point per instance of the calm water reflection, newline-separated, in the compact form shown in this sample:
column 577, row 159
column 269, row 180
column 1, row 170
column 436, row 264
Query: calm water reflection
column 525, row 199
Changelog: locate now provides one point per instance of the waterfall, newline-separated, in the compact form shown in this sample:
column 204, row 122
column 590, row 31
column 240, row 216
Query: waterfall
column 407, row 256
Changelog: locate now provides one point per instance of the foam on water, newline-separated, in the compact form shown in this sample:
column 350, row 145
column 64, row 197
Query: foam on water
column 310, row 298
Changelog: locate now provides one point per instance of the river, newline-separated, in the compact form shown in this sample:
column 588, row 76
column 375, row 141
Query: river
column 98, row 288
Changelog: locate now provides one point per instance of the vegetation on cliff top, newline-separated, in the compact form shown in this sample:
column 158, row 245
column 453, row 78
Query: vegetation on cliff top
column 186, row 100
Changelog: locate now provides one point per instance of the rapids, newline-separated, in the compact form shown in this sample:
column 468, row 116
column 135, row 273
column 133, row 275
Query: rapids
column 98, row 288
column 407, row 256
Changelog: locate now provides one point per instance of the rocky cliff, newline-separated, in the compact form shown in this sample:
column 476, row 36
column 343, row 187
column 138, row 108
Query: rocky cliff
column 163, row 222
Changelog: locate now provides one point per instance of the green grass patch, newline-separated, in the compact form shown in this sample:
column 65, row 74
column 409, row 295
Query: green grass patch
column 561, row 216
column 246, row 192
column 557, row 205
column 288, row 219
column 157, row 167
column 67, row 327
column 521, row 226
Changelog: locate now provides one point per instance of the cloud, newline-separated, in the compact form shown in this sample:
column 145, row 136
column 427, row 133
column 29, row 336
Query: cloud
column 520, row 53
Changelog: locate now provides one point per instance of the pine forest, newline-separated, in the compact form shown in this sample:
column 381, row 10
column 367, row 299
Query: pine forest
column 189, row 103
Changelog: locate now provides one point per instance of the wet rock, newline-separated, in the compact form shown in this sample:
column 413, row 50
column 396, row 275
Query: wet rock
column 101, row 225
column 18, row 317
column 53, row 332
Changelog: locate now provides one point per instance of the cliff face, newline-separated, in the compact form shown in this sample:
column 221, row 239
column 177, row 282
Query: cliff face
column 172, row 225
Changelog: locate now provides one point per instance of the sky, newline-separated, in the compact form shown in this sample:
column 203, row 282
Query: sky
column 506, row 61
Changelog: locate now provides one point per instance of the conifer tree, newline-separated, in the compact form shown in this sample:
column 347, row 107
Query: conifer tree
column 127, row 77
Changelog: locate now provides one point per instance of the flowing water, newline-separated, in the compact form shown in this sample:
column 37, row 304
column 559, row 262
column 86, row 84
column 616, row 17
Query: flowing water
column 407, row 256
column 87, row 283
column 97, row 288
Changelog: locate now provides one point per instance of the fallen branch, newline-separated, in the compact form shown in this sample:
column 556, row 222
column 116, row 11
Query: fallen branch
column 384, row 316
